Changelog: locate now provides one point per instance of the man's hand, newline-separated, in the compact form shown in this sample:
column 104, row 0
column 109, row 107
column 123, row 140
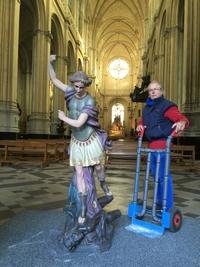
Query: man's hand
column 52, row 58
column 179, row 126
column 140, row 128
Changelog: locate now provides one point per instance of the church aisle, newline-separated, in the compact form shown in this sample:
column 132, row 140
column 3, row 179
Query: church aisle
column 29, row 187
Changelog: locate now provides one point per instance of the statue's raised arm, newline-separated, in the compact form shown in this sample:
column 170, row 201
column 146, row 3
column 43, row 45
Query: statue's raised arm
column 60, row 85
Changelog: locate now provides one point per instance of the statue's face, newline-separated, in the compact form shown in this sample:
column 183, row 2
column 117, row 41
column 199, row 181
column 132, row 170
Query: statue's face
column 80, row 88
column 154, row 90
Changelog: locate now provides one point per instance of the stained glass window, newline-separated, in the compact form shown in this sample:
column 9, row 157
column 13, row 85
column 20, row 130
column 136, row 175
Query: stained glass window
column 118, row 68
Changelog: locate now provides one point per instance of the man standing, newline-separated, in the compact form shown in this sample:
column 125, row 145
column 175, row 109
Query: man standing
column 159, row 119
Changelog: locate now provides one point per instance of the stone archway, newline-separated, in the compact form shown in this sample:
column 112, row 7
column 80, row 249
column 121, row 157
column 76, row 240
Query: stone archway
column 118, row 111
column 117, row 107
column 117, row 120
column 27, row 23
column 35, row 42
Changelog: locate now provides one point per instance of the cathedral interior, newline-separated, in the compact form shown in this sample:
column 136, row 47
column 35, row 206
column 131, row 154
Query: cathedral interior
column 117, row 43
column 121, row 45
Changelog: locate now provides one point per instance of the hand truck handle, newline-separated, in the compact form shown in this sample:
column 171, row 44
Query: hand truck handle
column 174, row 133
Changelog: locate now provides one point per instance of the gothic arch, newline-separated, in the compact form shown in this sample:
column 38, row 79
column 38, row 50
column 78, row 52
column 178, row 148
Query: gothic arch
column 80, row 16
column 57, row 43
column 116, row 100
column 40, row 12
column 30, row 14
column 37, row 9
column 123, row 102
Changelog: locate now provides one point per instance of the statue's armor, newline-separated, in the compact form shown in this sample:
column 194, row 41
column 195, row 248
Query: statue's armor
column 76, row 106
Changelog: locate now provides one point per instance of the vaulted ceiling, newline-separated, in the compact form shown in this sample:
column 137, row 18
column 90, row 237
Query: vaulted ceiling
column 119, row 32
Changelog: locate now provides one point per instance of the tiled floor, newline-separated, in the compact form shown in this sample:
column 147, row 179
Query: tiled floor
column 25, row 186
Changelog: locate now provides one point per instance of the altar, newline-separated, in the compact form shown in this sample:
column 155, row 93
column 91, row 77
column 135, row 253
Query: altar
column 117, row 129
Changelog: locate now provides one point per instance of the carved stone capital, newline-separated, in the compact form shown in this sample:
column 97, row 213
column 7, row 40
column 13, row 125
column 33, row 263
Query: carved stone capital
column 64, row 58
column 169, row 30
column 48, row 34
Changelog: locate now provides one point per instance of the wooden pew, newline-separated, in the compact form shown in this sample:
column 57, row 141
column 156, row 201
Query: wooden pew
column 61, row 146
column 183, row 153
column 128, row 151
column 27, row 150
column 124, row 150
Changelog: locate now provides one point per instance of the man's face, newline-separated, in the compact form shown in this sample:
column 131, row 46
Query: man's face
column 80, row 88
column 154, row 90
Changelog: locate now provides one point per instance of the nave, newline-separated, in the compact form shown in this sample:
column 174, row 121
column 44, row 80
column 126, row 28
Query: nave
column 26, row 186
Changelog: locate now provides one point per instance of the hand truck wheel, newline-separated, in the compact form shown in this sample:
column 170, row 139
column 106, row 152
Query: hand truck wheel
column 175, row 220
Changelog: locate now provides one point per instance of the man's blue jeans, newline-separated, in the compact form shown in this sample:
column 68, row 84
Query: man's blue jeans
column 170, row 197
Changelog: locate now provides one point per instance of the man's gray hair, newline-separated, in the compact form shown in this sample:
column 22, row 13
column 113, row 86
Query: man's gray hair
column 157, row 83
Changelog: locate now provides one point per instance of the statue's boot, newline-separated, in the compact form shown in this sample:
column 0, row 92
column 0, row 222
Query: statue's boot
column 105, row 188
column 105, row 200
column 113, row 215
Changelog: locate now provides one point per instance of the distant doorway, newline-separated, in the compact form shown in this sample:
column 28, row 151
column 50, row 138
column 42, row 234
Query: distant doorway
column 118, row 112
column 117, row 122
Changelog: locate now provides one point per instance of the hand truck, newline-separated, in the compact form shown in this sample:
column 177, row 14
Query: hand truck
column 149, row 221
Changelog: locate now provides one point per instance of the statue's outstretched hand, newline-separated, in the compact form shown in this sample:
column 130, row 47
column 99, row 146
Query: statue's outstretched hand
column 52, row 58
column 61, row 115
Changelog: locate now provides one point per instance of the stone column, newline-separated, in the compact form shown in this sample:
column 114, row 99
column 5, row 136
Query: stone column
column 191, row 75
column 39, row 119
column 174, row 88
column 58, row 95
column 167, row 71
column 85, row 60
column 192, row 55
column 9, row 32
column 106, row 124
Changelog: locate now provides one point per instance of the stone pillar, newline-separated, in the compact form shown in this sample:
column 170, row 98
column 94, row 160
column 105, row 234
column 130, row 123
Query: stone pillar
column 9, row 32
column 106, row 124
column 192, row 55
column 174, row 88
column 39, row 119
column 85, row 60
column 58, row 95
column 167, row 71
column 191, row 75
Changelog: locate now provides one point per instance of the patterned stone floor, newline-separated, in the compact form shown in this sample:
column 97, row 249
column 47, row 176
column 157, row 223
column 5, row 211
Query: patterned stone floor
column 25, row 186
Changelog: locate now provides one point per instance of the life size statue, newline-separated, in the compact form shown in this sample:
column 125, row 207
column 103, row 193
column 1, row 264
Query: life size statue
column 86, row 219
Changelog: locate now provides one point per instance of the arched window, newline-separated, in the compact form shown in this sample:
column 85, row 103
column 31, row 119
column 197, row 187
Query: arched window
column 118, row 68
column 118, row 113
